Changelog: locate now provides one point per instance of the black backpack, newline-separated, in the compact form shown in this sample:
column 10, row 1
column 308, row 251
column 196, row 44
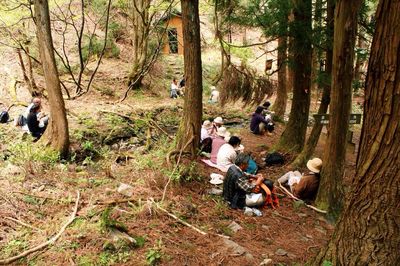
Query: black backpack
column 274, row 158
column 4, row 117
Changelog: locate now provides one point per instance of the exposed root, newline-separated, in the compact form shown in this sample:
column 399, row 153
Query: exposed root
column 50, row 241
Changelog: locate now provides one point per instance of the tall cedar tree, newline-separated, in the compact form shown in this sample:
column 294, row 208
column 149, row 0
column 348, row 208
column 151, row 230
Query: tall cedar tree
column 280, row 103
column 300, row 29
column 368, row 231
column 57, row 130
column 140, row 36
column 193, row 106
column 330, row 194
column 312, row 140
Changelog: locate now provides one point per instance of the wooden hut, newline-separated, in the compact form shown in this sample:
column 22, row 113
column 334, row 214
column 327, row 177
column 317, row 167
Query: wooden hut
column 173, row 40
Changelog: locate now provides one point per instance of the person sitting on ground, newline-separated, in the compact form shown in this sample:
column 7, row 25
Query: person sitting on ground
column 214, row 97
column 205, row 130
column 217, row 123
column 227, row 153
column 181, row 88
column 304, row 187
column 205, row 137
column 220, row 139
column 258, row 124
column 237, row 183
column 266, row 112
column 35, row 126
column 174, row 89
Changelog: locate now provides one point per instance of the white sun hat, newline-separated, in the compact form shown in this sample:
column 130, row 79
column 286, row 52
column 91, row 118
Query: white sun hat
column 216, row 179
column 222, row 132
column 207, row 124
column 314, row 165
column 219, row 120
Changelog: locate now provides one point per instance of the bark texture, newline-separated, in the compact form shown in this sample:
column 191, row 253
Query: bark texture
column 57, row 130
column 193, row 107
column 312, row 140
column 294, row 135
column 140, row 39
column 281, row 96
column 368, row 231
column 330, row 194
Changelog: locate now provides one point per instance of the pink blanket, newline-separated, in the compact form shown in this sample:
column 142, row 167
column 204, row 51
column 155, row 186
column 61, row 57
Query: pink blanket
column 209, row 163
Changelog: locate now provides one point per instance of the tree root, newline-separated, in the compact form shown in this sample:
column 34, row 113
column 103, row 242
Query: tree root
column 22, row 223
column 49, row 242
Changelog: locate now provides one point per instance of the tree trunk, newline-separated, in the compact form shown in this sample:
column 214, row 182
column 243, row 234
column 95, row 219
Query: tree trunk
column 368, row 231
column 294, row 135
column 330, row 194
column 312, row 141
column 281, row 97
column 193, row 107
column 140, row 37
column 57, row 130
column 34, row 87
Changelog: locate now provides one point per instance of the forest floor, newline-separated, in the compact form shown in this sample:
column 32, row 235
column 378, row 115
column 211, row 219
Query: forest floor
column 122, row 143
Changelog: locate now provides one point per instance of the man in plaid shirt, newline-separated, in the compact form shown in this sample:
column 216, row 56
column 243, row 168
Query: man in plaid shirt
column 237, row 183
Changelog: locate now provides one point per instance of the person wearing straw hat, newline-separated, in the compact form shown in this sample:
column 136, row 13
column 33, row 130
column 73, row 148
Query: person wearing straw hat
column 217, row 123
column 217, row 142
column 304, row 186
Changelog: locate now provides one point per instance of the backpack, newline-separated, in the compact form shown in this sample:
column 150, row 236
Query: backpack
column 4, row 116
column 20, row 121
column 274, row 158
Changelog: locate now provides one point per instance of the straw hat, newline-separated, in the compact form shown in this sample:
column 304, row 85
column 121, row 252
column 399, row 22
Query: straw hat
column 314, row 165
column 219, row 120
column 222, row 132
column 207, row 124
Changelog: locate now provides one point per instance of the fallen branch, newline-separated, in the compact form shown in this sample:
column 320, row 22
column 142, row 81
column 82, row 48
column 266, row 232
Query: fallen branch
column 116, row 201
column 159, row 128
column 297, row 199
column 22, row 223
column 50, row 241
column 177, row 218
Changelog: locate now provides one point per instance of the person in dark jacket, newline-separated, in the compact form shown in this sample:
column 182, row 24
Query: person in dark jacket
column 237, row 184
column 259, row 125
column 33, row 122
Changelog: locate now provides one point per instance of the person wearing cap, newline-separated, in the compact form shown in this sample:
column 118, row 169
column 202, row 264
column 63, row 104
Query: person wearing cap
column 217, row 123
column 214, row 96
column 221, row 136
column 304, row 186
column 36, row 128
column 227, row 153
column 258, row 124
column 237, row 183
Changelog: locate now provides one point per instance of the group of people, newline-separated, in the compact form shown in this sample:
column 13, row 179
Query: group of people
column 177, row 90
column 241, row 184
column 261, row 120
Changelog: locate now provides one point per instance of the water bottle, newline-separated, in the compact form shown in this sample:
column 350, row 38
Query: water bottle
column 257, row 212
